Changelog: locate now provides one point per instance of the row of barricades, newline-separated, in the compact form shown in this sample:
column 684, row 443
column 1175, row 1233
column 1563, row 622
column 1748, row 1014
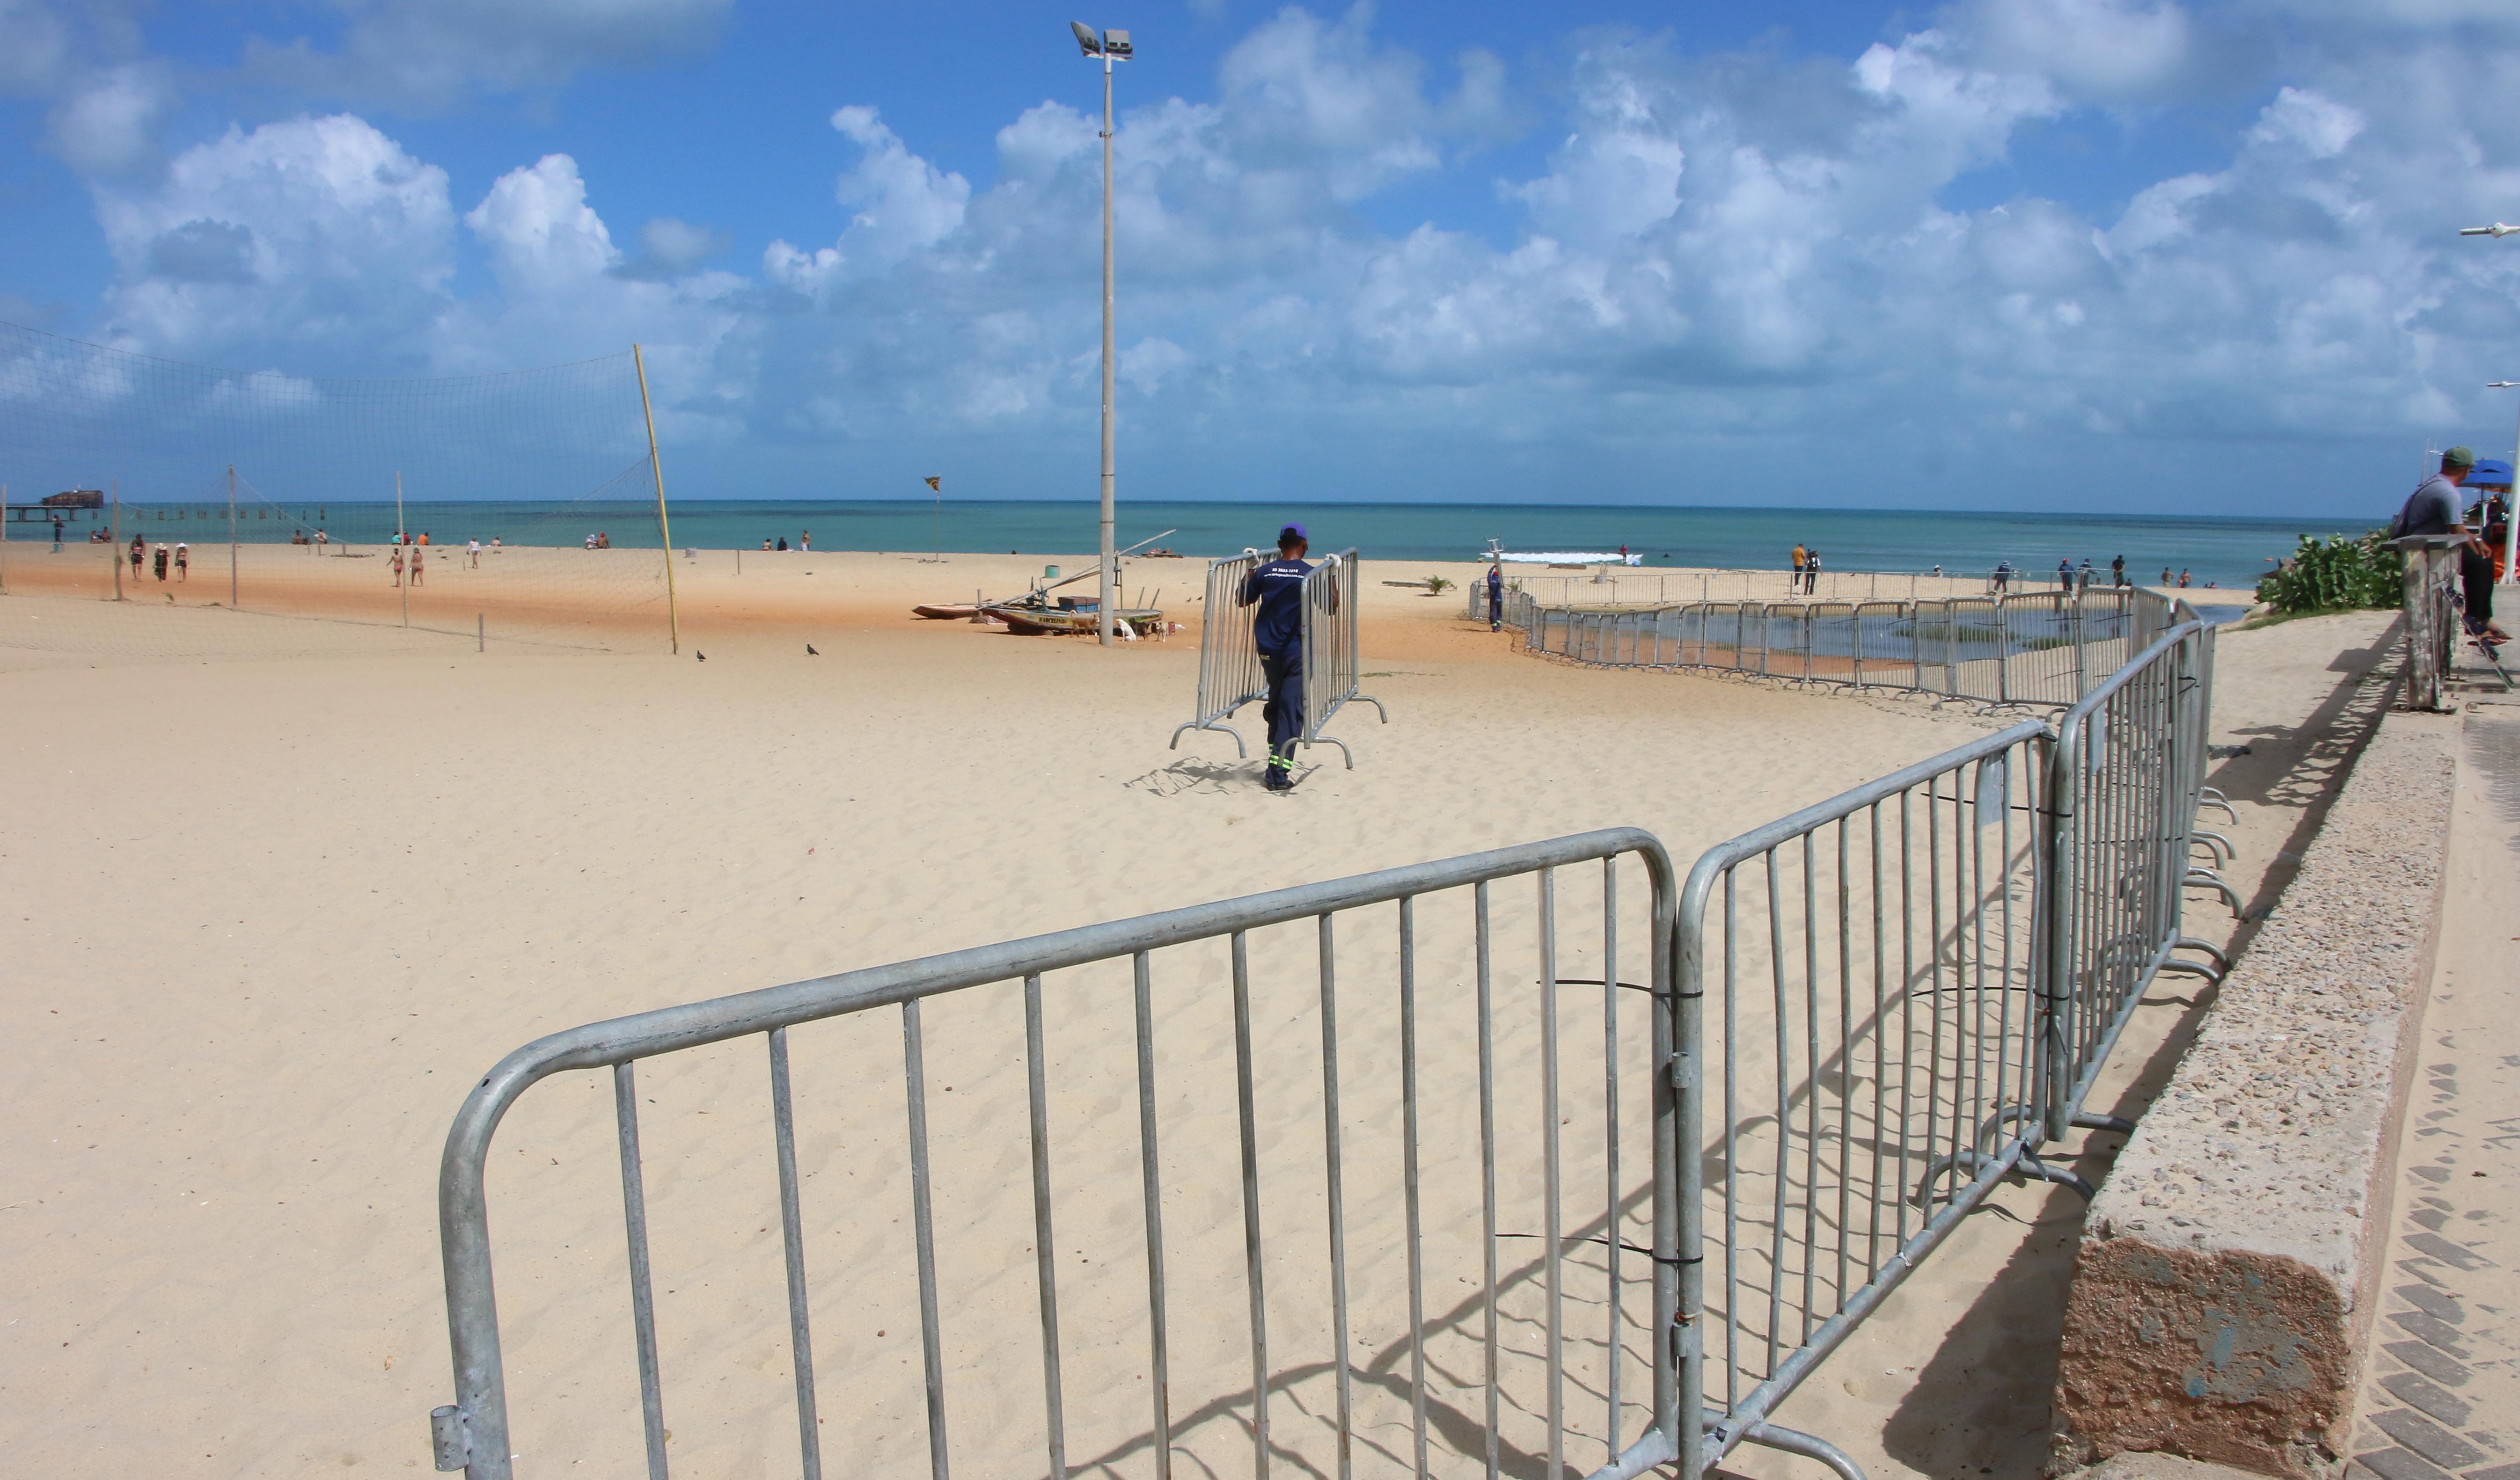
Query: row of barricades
column 2043, row 648
column 1543, row 1158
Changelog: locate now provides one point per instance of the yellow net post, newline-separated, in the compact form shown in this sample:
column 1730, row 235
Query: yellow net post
column 664, row 529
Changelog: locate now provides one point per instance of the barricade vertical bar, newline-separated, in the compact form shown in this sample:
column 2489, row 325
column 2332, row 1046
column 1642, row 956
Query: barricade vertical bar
column 1251, row 1201
column 1252, row 1260
column 1845, row 1064
column 1731, row 1152
column 1610, row 1119
column 1337, row 1195
column 1553, row 1216
column 1408, row 1178
column 914, row 1058
column 1908, row 998
column 643, row 1299
column 1150, row 1170
column 1045, row 1245
column 1785, row 1112
column 1677, row 1329
column 791, row 1228
column 1880, row 1058
column 1811, row 1063
column 1487, row 1160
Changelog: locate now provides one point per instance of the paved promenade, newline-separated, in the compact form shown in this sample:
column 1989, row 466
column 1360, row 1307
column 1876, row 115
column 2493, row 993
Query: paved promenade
column 2441, row 1395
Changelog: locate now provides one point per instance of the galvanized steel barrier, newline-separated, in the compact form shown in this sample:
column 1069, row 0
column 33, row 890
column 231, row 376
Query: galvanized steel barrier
column 1230, row 675
column 2043, row 648
column 1333, row 667
column 1230, row 671
column 1227, row 953
column 1915, row 987
column 1875, row 962
column 2432, row 610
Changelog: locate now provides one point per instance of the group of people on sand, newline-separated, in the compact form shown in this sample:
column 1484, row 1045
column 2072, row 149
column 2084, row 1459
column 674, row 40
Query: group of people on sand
column 178, row 557
column 804, row 542
column 2436, row 507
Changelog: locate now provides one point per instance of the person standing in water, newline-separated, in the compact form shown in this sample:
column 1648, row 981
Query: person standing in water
column 1277, row 588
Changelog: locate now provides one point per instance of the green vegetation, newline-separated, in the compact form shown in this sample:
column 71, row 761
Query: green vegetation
column 1436, row 585
column 2336, row 574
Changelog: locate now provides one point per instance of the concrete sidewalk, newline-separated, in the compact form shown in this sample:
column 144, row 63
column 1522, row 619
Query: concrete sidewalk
column 2441, row 1389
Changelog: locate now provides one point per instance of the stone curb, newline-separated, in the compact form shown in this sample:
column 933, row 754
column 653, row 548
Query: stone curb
column 2229, row 1265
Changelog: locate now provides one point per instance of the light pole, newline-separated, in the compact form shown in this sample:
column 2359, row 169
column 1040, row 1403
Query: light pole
column 1110, row 46
column 2510, row 526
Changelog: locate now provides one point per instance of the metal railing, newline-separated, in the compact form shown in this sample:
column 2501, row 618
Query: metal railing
column 1229, row 670
column 2432, row 608
column 1875, row 961
column 1333, row 667
column 2044, row 648
column 1628, row 586
column 2128, row 783
column 1914, row 986
column 1522, row 1051
column 1230, row 675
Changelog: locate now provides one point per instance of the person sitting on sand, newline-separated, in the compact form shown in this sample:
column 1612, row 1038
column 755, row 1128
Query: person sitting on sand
column 765, row 544
column 783, row 542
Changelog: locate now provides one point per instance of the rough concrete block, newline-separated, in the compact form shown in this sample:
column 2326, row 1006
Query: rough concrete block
column 2231, row 1262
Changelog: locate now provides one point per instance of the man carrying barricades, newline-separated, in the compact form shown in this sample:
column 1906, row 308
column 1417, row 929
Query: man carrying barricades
column 1496, row 596
column 1277, row 588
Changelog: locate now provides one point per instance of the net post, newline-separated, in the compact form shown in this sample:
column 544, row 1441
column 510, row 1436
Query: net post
column 664, row 527
column 4, row 539
column 232, row 538
column 117, row 561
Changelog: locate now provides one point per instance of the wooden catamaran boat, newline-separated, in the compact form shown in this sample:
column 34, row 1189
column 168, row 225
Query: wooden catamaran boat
column 1062, row 621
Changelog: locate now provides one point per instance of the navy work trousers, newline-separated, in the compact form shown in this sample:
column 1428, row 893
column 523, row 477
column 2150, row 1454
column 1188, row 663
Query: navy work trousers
column 1285, row 711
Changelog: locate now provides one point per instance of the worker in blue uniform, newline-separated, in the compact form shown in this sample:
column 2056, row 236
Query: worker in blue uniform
column 1277, row 588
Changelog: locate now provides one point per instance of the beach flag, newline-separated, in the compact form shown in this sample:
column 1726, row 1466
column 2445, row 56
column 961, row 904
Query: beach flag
column 936, row 485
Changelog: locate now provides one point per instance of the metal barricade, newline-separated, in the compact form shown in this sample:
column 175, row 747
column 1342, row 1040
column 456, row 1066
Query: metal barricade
column 1333, row 668
column 2431, row 609
column 1230, row 675
column 1498, row 1081
column 1872, row 1075
column 2128, row 778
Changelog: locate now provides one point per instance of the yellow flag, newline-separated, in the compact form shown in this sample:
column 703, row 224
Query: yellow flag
column 937, row 483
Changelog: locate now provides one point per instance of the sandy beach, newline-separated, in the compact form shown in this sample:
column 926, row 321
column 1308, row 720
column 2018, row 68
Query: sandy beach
column 283, row 887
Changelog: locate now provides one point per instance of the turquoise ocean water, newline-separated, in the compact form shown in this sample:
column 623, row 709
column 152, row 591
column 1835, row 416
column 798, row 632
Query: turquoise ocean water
column 2227, row 552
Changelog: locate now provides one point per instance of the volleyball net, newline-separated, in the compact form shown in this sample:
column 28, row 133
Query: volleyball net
column 161, row 509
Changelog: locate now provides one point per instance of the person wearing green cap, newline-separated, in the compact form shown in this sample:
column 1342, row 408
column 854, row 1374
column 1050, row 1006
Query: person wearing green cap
column 2433, row 508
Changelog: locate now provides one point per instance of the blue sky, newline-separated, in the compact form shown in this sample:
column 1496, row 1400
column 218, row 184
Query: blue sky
column 2122, row 256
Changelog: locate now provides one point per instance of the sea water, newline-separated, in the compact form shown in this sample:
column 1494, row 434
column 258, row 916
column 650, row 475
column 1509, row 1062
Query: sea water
column 2221, row 552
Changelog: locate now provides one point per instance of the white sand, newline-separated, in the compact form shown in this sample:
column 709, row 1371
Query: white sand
column 271, row 917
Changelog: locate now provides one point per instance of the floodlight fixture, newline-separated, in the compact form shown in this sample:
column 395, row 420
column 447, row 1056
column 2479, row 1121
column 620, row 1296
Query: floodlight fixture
column 2498, row 229
column 2500, row 384
column 1085, row 38
column 1115, row 45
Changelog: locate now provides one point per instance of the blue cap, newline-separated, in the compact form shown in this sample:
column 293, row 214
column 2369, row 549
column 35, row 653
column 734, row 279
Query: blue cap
column 1290, row 534
column 2492, row 473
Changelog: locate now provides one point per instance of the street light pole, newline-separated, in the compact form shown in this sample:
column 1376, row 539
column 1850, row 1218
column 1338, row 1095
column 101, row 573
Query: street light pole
column 2510, row 526
column 1110, row 46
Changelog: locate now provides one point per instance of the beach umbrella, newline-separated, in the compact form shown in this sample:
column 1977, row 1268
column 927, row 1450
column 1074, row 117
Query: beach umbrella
column 2490, row 472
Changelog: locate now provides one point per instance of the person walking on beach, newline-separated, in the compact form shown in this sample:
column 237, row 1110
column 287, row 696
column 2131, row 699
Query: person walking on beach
column 805, row 540
column 139, row 552
column 475, row 551
column 57, row 534
column 183, row 560
column 419, row 560
column 2117, row 572
column 1277, row 588
column 2182, row 580
column 1800, row 555
column 2002, row 576
column 2082, row 575
column 159, row 564
column 1496, row 596
column 397, row 565
column 1811, row 573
